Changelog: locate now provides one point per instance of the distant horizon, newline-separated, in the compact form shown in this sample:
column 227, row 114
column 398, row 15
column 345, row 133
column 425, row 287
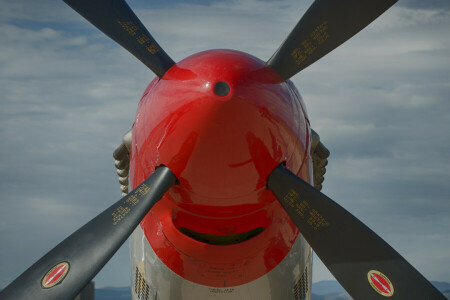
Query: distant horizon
column 321, row 281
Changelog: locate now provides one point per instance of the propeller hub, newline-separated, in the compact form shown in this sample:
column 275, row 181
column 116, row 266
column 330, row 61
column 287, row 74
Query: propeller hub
column 221, row 122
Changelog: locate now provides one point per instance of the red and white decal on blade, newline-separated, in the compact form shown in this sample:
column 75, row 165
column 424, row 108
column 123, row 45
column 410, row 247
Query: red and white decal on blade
column 55, row 275
column 380, row 283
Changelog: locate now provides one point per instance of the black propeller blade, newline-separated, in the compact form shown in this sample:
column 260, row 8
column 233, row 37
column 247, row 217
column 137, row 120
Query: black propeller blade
column 326, row 25
column 116, row 19
column 64, row 271
column 366, row 266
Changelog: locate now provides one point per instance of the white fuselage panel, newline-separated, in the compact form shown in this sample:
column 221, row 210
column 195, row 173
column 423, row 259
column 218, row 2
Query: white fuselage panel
column 152, row 279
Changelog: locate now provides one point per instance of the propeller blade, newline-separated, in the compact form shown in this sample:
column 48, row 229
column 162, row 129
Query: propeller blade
column 64, row 271
column 326, row 25
column 365, row 265
column 116, row 19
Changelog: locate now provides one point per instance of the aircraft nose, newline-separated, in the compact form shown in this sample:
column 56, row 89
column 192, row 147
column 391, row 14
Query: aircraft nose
column 219, row 128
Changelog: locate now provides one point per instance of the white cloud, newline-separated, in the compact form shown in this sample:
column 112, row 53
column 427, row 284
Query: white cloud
column 379, row 102
column 35, row 11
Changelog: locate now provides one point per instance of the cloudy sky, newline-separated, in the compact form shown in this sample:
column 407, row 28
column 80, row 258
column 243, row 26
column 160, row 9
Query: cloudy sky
column 380, row 103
